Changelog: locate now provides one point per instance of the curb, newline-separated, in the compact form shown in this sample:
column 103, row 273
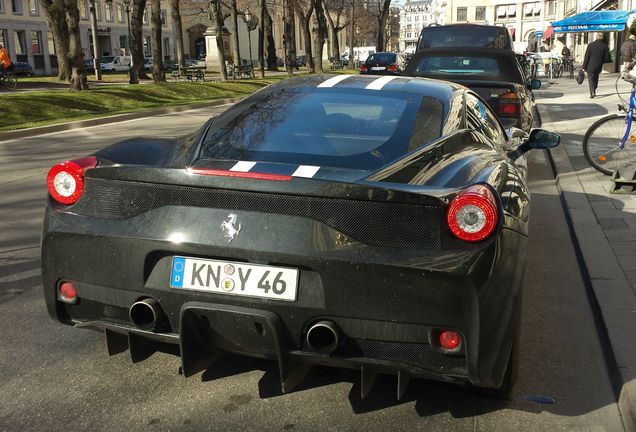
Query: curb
column 610, row 294
column 39, row 130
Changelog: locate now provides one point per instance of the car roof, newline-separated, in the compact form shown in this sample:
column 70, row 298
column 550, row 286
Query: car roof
column 442, row 90
column 494, row 52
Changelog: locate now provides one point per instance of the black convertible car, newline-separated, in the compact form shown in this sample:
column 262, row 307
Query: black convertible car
column 378, row 224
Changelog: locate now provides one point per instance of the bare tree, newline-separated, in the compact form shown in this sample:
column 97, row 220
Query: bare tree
column 217, row 17
column 337, row 6
column 178, row 30
column 63, row 17
column 287, row 36
column 158, row 74
column 319, row 33
column 305, row 20
column 270, row 46
column 262, row 8
column 380, row 11
column 236, row 52
column 137, row 39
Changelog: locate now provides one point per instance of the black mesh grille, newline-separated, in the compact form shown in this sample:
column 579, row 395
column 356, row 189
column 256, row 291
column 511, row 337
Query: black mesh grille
column 87, row 310
column 375, row 223
column 416, row 354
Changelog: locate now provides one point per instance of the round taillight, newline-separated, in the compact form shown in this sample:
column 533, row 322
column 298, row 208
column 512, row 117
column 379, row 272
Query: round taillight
column 67, row 293
column 472, row 215
column 449, row 340
column 65, row 181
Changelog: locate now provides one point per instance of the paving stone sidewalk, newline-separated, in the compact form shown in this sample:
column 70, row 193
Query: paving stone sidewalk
column 604, row 224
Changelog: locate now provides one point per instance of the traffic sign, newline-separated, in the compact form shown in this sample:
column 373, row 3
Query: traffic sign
column 538, row 34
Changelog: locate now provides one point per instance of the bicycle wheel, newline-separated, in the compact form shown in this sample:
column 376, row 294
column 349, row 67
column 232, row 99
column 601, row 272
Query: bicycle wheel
column 10, row 81
column 602, row 144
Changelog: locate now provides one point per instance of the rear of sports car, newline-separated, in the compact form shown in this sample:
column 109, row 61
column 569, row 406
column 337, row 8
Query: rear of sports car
column 265, row 237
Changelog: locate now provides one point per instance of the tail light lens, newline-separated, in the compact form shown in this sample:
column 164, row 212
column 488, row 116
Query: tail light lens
column 473, row 214
column 65, row 180
column 449, row 340
column 67, row 293
column 509, row 104
column 364, row 68
column 392, row 68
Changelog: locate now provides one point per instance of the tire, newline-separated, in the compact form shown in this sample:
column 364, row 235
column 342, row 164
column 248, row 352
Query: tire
column 601, row 145
column 10, row 81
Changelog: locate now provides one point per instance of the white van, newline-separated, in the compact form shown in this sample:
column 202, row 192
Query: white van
column 359, row 53
column 117, row 64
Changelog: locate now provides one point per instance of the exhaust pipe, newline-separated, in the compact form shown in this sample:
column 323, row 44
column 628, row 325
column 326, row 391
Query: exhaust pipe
column 323, row 337
column 147, row 314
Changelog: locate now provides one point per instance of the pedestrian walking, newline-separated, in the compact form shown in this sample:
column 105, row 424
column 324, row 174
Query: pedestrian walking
column 628, row 50
column 595, row 55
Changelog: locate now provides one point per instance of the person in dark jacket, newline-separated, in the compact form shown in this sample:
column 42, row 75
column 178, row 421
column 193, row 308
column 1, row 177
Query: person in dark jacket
column 595, row 56
column 628, row 50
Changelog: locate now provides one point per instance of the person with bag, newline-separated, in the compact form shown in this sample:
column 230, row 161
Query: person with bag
column 595, row 55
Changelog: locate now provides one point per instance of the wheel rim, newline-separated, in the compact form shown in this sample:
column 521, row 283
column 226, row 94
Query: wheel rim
column 603, row 146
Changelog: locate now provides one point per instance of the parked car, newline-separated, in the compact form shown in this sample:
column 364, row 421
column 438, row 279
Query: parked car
column 301, row 60
column 22, row 69
column 494, row 74
column 88, row 65
column 148, row 63
column 383, row 63
column 464, row 36
column 115, row 63
column 256, row 237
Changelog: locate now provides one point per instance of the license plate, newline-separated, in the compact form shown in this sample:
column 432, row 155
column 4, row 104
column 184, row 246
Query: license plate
column 378, row 68
column 234, row 278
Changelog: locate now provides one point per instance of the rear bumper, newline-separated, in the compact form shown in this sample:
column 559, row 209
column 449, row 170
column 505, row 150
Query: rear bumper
column 386, row 302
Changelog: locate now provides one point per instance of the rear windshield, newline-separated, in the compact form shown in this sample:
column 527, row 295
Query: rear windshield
column 357, row 130
column 464, row 36
column 469, row 66
column 381, row 58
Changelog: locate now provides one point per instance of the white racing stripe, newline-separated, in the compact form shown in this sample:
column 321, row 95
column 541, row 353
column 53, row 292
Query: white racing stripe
column 334, row 80
column 307, row 171
column 380, row 82
column 243, row 166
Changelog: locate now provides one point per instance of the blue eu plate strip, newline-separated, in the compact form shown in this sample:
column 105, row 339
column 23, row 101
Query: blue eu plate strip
column 178, row 268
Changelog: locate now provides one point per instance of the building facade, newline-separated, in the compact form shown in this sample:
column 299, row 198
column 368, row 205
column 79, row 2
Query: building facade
column 25, row 33
column 417, row 14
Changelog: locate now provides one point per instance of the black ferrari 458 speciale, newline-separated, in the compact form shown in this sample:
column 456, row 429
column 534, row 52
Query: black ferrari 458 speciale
column 378, row 224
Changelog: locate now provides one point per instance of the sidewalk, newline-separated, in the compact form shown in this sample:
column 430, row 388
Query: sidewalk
column 603, row 224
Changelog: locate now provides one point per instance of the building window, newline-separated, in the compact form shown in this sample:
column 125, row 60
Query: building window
column 98, row 10
column 16, row 6
column 110, row 17
column 164, row 18
column 417, row 18
column 166, row 48
column 20, row 42
column 123, row 43
column 120, row 13
column 147, row 46
column 36, row 42
column 551, row 7
column 50, row 42
column 83, row 7
column 462, row 14
column 409, row 26
column 34, row 7
column 1, row 6
column 145, row 16
column 480, row 13
column 4, row 38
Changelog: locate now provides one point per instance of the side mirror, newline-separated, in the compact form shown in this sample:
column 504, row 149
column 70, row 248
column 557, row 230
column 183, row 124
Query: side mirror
column 543, row 139
column 534, row 84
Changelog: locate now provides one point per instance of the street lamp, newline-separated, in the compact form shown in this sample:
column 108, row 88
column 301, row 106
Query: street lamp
column 251, row 25
column 132, row 72
column 96, row 63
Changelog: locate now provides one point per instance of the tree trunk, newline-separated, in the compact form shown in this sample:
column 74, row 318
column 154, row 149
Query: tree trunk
column 75, row 54
column 304, row 28
column 272, row 64
column 217, row 17
column 287, row 36
column 137, row 39
column 236, row 52
column 261, row 37
column 352, row 33
column 332, row 35
column 178, row 30
column 158, row 74
column 319, row 35
column 384, row 14
column 56, row 19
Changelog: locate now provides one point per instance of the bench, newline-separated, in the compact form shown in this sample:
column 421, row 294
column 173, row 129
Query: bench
column 189, row 74
column 337, row 65
column 241, row 71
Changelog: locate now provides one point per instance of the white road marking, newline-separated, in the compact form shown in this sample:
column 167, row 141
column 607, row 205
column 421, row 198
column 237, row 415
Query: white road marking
column 243, row 166
column 334, row 80
column 307, row 171
column 380, row 82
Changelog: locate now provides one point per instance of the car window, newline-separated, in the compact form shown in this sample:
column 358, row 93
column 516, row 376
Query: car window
column 382, row 58
column 464, row 36
column 467, row 65
column 479, row 117
column 360, row 130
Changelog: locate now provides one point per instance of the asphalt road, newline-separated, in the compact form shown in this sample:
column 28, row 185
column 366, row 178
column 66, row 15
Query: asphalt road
column 54, row 377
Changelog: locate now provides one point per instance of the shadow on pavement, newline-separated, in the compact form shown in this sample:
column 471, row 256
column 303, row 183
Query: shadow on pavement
column 564, row 112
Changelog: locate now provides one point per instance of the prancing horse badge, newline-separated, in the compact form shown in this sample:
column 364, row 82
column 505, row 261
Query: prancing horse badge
column 229, row 227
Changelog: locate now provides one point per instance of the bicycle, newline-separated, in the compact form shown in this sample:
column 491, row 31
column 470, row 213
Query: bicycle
column 8, row 80
column 610, row 143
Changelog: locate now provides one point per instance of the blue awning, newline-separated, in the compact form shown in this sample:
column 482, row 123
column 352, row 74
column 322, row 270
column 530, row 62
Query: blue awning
column 591, row 21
